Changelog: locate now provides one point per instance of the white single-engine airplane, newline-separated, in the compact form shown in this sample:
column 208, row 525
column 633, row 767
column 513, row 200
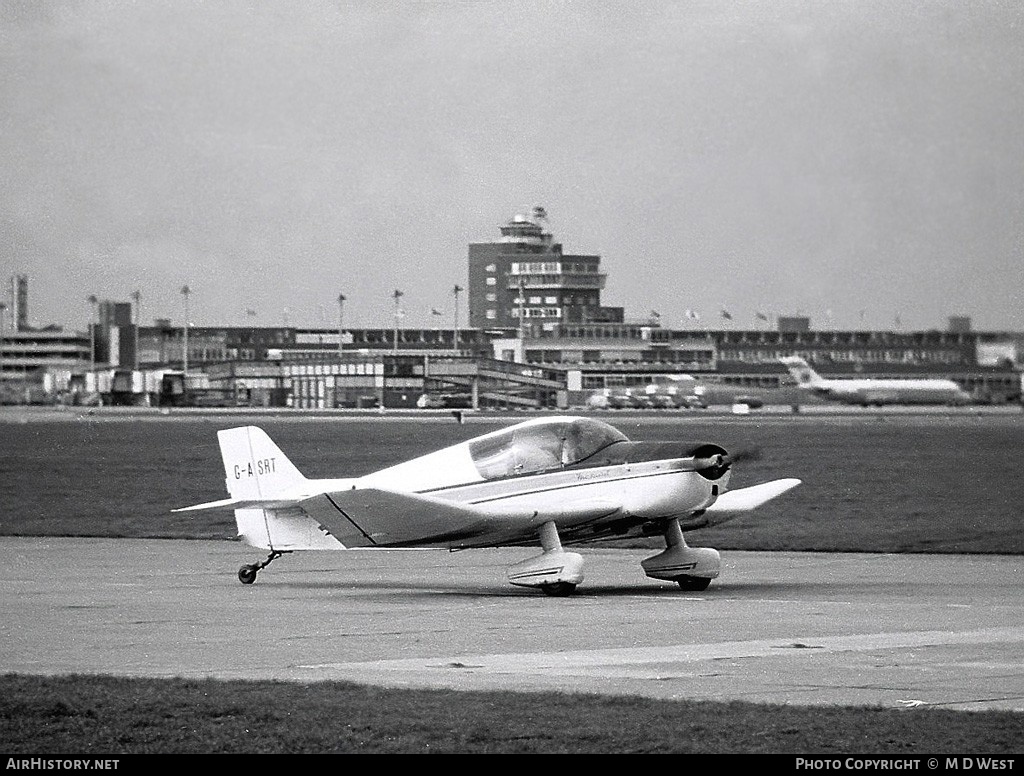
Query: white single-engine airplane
column 552, row 480
column 875, row 391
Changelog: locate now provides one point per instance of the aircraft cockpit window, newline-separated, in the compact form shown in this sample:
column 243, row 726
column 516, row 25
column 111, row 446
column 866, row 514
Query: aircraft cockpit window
column 541, row 447
column 584, row 437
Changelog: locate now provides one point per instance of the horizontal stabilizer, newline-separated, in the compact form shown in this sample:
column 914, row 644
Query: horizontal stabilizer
column 746, row 499
column 240, row 503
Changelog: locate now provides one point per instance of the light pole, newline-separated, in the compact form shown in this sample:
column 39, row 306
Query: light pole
column 185, row 291
column 92, row 333
column 3, row 307
column 522, row 311
column 398, row 314
column 341, row 322
column 455, row 325
column 137, row 297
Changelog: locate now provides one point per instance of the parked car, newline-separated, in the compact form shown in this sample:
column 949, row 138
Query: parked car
column 692, row 402
column 430, row 401
column 751, row 401
column 437, row 401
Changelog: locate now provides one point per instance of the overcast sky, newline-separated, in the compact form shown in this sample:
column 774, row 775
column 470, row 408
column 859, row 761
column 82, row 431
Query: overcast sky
column 854, row 160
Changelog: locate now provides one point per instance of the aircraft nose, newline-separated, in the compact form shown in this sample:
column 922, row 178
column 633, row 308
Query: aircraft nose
column 711, row 461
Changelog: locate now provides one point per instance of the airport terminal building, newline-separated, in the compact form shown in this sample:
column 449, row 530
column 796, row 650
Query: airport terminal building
column 540, row 336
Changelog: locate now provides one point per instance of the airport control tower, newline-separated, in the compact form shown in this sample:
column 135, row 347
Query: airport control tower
column 524, row 277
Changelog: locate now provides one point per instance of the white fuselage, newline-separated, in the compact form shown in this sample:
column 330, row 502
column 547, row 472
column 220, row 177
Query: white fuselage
column 875, row 391
column 647, row 489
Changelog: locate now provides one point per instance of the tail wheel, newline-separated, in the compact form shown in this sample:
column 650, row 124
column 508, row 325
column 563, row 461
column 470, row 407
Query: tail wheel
column 558, row 589
column 693, row 583
column 247, row 574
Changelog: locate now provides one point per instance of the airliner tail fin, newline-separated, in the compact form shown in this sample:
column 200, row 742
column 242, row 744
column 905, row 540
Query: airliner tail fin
column 805, row 376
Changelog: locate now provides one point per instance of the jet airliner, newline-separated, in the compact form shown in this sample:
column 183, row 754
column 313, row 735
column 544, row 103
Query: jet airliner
column 875, row 391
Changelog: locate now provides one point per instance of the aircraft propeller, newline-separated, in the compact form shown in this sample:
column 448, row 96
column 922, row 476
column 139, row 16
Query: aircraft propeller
column 713, row 466
column 746, row 454
column 716, row 464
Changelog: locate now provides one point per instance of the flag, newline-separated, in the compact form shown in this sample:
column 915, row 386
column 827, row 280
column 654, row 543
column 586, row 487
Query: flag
column 250, row 312
column 727, row 315
column 693, row 315
column 435, row 311
column 761, row 316
column 397, row 294
column 458, row 290
column 655, row 314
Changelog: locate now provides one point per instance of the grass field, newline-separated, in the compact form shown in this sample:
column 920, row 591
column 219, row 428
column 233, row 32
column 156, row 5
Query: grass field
column 872, row 482
column 102, row 715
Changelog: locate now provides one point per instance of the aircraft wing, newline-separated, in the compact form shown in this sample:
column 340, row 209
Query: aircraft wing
column 735, row 502
column 370, row 517
column 366, row 517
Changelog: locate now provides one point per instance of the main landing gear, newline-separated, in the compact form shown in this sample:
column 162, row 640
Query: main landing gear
column 692, row 568
column 555, row 571
column 247, row 574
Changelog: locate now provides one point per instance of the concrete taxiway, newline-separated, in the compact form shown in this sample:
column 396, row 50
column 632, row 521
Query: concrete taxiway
column 798, row 628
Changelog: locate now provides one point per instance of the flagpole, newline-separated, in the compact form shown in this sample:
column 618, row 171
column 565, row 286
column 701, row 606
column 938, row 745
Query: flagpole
column 341, row 321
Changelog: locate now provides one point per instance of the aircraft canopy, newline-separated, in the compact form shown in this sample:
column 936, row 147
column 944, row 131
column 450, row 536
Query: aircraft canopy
column 541, row 446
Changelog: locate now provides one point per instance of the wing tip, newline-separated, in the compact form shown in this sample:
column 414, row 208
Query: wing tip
column 749, row 499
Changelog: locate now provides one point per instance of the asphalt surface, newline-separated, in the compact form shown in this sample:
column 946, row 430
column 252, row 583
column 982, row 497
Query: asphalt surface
column 797, row 628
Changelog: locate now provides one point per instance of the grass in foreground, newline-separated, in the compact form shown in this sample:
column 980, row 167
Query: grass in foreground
column 107, row 715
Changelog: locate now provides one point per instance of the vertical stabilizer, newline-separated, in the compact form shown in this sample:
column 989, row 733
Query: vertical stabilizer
column 255, row 467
